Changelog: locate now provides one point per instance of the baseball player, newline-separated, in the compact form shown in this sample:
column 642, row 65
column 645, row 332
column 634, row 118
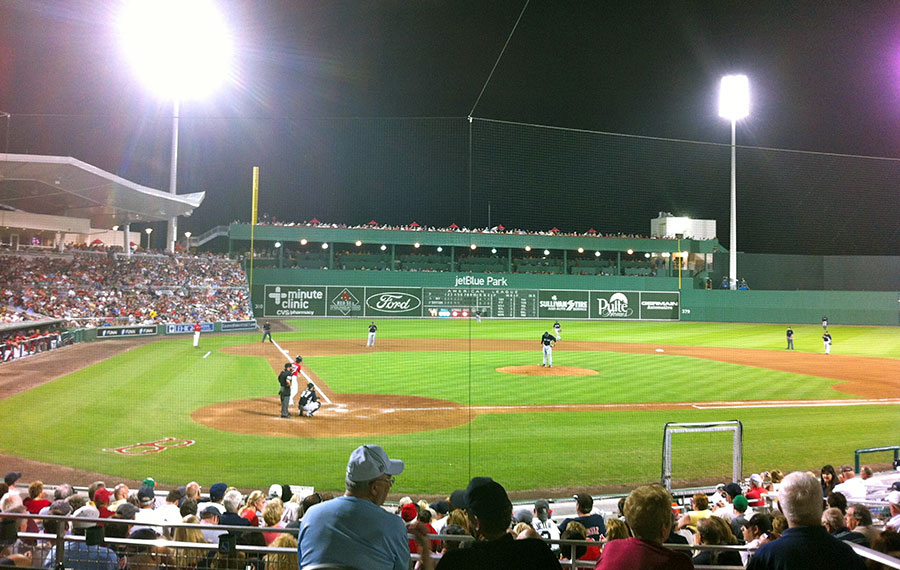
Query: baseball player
column 372, row 329
column 826, row 338
column 547, row 342
column 284, row 389
column 267, row 332
column 295, row 372
column 556, row 329
column 309, row 400
column 825, row 323
column 197, row 329
column 790, row 338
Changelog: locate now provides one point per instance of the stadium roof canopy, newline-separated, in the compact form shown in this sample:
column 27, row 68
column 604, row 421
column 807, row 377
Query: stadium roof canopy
column 65, row 186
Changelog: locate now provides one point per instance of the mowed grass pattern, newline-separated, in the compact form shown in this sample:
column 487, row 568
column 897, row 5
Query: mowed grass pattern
column 148, row 394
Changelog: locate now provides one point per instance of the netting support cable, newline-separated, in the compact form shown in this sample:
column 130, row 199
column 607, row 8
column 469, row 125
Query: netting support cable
column 499, row 57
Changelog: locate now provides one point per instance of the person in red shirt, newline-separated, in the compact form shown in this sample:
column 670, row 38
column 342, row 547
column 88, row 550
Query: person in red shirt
column 37, row 499
column 649, row 514
column 197, row 329
column 756, row 491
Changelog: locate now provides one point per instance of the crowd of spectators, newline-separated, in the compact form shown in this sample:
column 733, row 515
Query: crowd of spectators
column 480, row 526
column 93, row 289
column 266, row 220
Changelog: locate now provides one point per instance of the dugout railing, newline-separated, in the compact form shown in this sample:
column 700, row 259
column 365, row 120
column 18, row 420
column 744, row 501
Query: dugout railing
column 53, row 550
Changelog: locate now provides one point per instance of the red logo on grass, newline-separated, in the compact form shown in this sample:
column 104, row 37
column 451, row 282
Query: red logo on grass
column 153, row 446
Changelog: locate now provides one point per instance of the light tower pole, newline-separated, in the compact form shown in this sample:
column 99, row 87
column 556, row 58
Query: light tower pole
column 734, row 104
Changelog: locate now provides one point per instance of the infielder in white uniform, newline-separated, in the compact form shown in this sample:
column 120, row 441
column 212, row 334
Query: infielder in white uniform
column 547, row 341
column 556, row 329
column 826, row 338
column 372, row 329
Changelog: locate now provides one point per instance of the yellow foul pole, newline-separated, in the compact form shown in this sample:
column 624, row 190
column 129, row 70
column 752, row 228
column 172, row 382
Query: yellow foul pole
column 253, row 213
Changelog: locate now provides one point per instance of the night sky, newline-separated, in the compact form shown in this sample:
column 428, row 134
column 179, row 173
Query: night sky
column 356, row 110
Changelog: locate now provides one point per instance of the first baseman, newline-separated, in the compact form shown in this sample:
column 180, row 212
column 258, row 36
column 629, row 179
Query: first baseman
column 547, row 342
column 372, row 329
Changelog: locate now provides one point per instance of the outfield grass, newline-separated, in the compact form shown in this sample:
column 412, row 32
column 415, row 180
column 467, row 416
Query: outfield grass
column 149, row 393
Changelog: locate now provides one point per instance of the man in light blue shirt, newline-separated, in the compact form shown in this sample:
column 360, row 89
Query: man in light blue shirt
column 80, row 556
column 354, row 530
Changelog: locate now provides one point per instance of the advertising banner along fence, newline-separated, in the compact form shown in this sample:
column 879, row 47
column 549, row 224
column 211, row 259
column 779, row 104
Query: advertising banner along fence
column 359, row 301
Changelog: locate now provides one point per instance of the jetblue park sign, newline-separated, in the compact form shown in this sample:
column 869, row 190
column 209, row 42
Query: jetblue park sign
column 463, row 301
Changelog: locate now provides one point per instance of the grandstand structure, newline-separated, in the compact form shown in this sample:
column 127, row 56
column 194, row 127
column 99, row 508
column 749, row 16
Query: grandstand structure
column 526, row 263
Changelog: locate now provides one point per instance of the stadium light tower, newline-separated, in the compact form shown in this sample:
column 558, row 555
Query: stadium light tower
column 182, row 50
column 734, row 105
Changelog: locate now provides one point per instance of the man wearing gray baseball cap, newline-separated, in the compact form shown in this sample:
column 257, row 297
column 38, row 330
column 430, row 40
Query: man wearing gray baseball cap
column 353, row 530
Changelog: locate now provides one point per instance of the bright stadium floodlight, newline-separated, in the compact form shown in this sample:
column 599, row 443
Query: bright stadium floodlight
column 734, row 105
column 440, row 249
column 324, row 246
column 182, row 50
column 417, row 245
column 596, row 254
column 580, row 250
column 546, row 252
column 358, row 243
column 527, row 248
column 304, row 241
column 473, row 247
column 383, row 247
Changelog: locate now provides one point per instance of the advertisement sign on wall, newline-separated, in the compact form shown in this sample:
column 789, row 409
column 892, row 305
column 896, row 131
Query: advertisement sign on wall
column 294, row 301
column 346, row 301
column 563, row 304
column 615, row 305
column 393, row 302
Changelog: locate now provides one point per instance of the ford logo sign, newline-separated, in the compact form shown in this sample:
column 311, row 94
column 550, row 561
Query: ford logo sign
column 393, row 302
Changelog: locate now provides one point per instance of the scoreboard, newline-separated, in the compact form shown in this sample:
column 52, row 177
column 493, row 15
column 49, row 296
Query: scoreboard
column 497, row 303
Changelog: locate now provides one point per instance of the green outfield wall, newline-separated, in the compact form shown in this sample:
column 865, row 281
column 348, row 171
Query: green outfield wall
column 334, row 293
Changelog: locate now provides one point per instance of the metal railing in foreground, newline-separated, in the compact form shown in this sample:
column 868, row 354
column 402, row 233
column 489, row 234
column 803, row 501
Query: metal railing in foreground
column 237, row 547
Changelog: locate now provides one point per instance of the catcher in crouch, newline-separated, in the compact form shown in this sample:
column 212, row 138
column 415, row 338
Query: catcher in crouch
column 309, row 401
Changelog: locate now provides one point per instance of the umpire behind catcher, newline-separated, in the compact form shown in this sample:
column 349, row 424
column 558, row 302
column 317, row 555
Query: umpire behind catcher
column 284, row 390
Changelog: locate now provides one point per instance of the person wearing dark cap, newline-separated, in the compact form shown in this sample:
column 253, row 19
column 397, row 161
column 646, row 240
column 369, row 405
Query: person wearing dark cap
column 441, row 509
column 584, row 504
column 309, row 401
column 147, row 516
column 489, row 511
column 354, row 529
column 216, row 494
column 209, row 515
column 755, row 531
column 543, row 524
column 284, row 389
column 11, row 478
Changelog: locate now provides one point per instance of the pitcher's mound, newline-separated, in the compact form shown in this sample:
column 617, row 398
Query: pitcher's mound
column 538, row 370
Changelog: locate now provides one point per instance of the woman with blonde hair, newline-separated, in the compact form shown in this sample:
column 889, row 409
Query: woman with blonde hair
column 189, row 558
column 256, row 501
column 272, row 519
column 282, row 560
column 616, row 529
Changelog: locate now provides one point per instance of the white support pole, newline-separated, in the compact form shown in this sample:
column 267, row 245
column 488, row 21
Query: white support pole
column 172, row 226
column 732, row 257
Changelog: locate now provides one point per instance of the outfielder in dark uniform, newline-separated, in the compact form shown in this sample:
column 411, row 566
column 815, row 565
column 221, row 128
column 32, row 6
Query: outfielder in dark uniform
column 309, row 401
column 267, row 332
column 284, row 390
column 547, row 342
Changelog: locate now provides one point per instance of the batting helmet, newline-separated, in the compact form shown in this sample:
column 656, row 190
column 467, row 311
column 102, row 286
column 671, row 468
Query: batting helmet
column 310, row 385
column 298, row 359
